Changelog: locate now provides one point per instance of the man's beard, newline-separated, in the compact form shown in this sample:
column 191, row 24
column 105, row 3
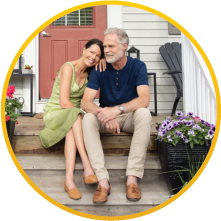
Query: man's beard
column 115, row 58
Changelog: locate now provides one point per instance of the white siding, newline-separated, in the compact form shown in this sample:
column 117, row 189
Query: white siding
column 22, row 84
column 147, row 33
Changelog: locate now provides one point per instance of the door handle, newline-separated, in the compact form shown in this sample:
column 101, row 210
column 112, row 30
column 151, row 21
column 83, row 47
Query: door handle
column 44, row 34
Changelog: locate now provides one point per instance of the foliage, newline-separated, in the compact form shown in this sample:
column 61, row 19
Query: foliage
column 28, row 67
column 194, row 165
column 11, row 104
column 192, row 169
column 185, row 129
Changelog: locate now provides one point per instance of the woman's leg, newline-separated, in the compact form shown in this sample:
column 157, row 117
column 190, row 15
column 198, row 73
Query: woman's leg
column 70, row 156
column 78, row 136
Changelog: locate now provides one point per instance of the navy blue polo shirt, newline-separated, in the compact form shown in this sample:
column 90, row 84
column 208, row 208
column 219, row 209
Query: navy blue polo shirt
column 118, row 86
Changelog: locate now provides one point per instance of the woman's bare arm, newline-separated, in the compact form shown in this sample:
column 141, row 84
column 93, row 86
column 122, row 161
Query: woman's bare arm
column 65, row 77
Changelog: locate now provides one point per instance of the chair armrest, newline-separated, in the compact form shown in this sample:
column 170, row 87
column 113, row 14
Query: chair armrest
column 173, row 72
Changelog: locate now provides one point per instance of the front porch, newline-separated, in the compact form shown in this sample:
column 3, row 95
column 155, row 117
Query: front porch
column 46, row 168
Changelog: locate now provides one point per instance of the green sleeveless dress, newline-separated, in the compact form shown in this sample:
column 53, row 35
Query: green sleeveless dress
column 59, row 121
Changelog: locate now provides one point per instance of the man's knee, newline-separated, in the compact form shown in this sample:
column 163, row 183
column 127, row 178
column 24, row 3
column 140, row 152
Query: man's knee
column 142, row 115
column 89, row 120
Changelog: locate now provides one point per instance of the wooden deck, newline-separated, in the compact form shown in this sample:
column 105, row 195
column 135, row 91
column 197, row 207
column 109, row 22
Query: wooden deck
column 26, row 139
column 46, row 168
column 30, row 126
column 48, row 173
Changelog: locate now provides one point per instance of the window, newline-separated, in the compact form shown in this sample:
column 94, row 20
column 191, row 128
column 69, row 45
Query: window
column 77, row 18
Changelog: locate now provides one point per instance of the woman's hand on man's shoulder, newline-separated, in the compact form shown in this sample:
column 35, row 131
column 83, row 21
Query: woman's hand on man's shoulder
column 102, row 65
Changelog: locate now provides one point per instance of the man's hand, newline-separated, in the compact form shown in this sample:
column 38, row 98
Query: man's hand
column 107, row 114
column 113, row 126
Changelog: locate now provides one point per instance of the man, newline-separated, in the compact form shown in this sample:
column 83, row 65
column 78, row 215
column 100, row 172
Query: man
column 124, row 98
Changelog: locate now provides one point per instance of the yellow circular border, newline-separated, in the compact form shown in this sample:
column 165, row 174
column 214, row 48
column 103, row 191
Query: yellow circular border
column 184, row 31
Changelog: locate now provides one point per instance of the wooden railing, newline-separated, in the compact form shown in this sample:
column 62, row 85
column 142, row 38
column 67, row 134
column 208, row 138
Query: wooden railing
column 198, row 95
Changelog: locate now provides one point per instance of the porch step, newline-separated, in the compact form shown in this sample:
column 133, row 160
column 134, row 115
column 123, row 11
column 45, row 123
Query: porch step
column 30, row 126
column 112, row 145
column 48, row 173
column 42, row 162
column 26, row 139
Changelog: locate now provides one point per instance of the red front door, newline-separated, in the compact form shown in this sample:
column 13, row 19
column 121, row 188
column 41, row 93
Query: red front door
column 66, row 41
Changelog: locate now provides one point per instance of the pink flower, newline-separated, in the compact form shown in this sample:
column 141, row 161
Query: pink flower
column 10, row 91
column 197, row 119
column 16, row 122
column 7, row 118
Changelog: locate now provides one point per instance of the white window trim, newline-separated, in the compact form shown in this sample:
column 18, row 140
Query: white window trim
column 114, row 16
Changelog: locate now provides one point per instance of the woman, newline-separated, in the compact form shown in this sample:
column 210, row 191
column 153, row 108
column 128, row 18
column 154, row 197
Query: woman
column 62, row 115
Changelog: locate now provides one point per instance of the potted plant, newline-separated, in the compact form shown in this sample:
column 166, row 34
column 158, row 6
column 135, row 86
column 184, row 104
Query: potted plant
column 28, row 69
column 12, row 113
column 179, row 139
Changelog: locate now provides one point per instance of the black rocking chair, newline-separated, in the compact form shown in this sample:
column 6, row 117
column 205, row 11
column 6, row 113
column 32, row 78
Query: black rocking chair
column 171, row 53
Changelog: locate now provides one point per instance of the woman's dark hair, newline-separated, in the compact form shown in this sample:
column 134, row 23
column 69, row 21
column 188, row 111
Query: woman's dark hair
column 98, row 43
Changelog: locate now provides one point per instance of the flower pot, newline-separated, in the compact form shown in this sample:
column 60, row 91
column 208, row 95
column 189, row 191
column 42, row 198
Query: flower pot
column 27, row 71
column 174, row 158
column 10, row 125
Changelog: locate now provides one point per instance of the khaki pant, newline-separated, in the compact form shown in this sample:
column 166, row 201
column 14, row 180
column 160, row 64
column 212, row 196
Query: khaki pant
column 137, row 122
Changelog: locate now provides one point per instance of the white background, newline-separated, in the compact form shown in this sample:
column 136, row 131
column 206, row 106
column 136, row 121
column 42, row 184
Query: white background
column 19, row 19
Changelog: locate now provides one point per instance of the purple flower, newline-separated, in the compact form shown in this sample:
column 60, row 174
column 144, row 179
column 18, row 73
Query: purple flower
column 168, row 118
column 179, row 113
column 196, row 127
column 164, row 124
column 191, row 132
column 170, row 140
column 185, row 139
column 190, row 114
column 210, row 132
column 208, row 124
column 189, row 123
column 167, row 121
column 179, row 134
column 203, row 122
column 212, row 127
column 169, row 126
column 162, row 133
column 184, row 121
column 175, row 124
column 184, row 117
column 178, row 122
column 168, row 136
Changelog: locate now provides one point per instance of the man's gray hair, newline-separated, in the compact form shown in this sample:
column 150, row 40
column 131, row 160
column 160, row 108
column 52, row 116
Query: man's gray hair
column 121, row 33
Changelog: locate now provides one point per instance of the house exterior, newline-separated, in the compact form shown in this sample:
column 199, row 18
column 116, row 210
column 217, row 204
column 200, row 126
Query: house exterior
column 147, row 33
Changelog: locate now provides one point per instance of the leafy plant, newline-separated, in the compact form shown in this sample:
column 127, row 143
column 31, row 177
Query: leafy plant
column 12, row 105
column 186, row 173
column 185, row 129
column 194, row 164
column 28, row 67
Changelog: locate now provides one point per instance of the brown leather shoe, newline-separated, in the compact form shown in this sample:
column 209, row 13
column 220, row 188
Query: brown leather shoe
column 73, row 193
column 91, row 179
column 101, row 193
column 133, row 192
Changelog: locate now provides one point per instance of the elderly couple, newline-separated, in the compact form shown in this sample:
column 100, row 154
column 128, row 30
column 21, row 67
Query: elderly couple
column 124, row 98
